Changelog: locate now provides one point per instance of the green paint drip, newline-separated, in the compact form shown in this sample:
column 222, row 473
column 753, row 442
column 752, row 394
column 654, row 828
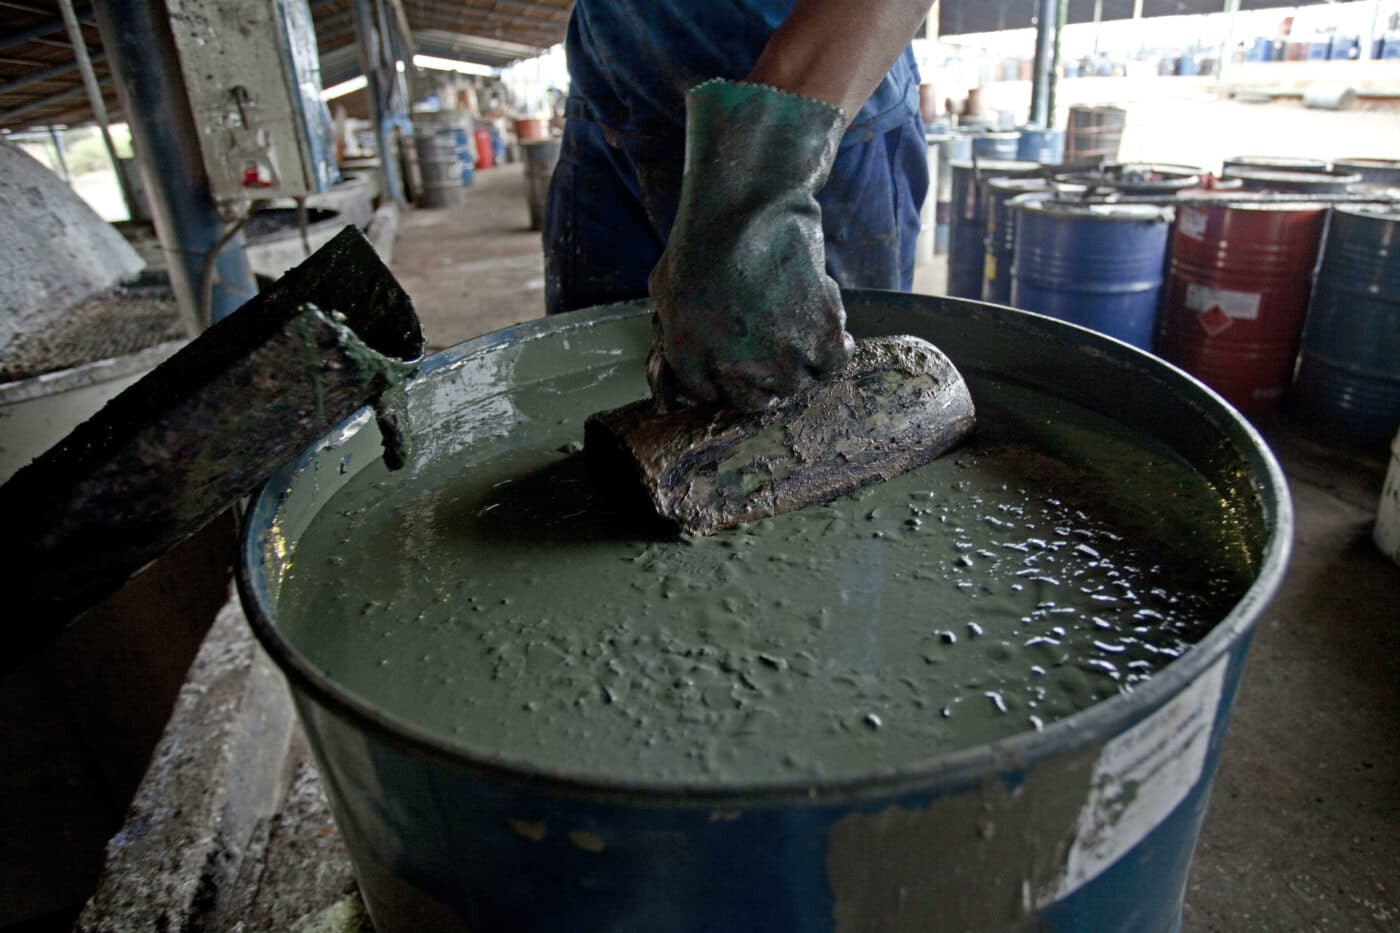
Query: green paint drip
column 499, row 599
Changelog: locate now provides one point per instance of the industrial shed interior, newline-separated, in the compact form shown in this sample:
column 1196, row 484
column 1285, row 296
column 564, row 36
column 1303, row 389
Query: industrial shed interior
column 338, row 600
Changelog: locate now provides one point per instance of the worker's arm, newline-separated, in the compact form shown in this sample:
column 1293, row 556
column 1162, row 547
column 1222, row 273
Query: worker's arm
column 745, row 312
column 838, row 50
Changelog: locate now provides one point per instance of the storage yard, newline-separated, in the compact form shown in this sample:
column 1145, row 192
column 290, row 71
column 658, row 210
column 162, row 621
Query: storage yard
column 336, row 617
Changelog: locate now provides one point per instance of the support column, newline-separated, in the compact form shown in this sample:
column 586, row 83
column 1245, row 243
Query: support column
column 1046, row 38
column 141, row 52
column 385, row 89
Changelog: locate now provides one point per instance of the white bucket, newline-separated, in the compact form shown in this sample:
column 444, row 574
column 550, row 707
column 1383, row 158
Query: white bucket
column 1387, row 533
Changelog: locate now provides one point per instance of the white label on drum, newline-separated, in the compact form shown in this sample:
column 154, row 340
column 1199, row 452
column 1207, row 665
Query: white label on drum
column 1192, row 222
column 1140, row 777
column 1242, row 306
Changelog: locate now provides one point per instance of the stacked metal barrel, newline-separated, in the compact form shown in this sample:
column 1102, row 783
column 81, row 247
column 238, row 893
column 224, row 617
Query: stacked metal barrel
column 1221, row 285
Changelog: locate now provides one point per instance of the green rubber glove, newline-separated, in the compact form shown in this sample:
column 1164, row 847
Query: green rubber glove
column 745, row 312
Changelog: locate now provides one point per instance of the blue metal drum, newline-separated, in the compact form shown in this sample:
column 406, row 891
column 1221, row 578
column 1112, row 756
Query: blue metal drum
column 1037, row 144
column 1085, row 827
column 966, row 220
column 952, row 147
column 1349, row 370
column 999, row 242
column 1097, row 265
column 996, row 145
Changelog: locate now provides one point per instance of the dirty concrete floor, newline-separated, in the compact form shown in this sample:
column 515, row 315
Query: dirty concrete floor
column 1303, row 833
column 475, row 268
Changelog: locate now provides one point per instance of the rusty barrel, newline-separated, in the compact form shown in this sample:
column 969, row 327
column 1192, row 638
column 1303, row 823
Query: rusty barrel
column 1349, row 368
column 1094, row 132
column 1135, row 178
column 966, row 221
column 1095, row 265
column 1237, row 294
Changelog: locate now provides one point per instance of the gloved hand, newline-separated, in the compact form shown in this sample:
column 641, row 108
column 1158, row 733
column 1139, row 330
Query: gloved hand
column 745, row 312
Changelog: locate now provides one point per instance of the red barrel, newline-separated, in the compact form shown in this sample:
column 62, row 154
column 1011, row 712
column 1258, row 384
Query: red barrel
column 485, row 153
column 1237, row 294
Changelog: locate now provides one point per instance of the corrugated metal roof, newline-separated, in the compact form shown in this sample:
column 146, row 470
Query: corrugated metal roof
column 40, row 84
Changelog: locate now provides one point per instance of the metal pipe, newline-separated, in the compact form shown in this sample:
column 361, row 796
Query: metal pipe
column 151, row 86
column 1045, row 33
column 99, row 106
column 1061, row 14
column 57, row 141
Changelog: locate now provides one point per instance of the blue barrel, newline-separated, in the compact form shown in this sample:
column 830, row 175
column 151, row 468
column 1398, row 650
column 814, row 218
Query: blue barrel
column 1345, row 48
column 1381, row 172
column 1037, row 144
column 999, row 240
column 1349, row 371
column 465, row 156
column 1096, row 265
column 1088, row 825
column 966, row 220
column 952, row 147
column 996, row 145
column 1319, row 49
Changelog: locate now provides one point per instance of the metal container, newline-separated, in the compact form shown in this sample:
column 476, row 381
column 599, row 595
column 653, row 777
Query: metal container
column 440, row 168
column 1349, row 368
column 1037, row 144
column 1094, row 132
column 1137, row 178
column 1274, row 164
column 1330, row 181
column 539, row 156
column 1096, row 265
column 999, row 240
column 466, row 159
column 1087, row 825
column 1382, row 172
column 1237, row 295
column 952, row 147
column 996, row 145
column 966, row 221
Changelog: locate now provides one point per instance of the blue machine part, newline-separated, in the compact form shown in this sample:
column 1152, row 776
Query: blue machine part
column 1038, row 144
column 966, row 220
column 1085, row 827
column 1349, row 372
column 1000, row 145
column 1097, row 265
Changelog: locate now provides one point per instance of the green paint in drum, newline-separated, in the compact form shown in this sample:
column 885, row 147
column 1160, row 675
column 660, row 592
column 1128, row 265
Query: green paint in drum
column 1086, row 825
column 539, row 156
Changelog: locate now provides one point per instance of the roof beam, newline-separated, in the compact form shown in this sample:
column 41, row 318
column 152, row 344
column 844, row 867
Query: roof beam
column 48, row 74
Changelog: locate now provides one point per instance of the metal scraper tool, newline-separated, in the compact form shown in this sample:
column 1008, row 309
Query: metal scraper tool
column 899, row 404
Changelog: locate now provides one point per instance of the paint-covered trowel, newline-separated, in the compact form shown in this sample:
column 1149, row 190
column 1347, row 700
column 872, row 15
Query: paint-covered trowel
column 899, row 404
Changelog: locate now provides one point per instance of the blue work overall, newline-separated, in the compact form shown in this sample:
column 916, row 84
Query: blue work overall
column 613, row 196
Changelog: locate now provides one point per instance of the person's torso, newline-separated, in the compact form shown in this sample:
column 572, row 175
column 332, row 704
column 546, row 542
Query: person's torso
column 631, row 63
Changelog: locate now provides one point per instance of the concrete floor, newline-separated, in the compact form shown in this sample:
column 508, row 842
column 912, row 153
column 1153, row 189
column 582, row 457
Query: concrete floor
column 1303, row 832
